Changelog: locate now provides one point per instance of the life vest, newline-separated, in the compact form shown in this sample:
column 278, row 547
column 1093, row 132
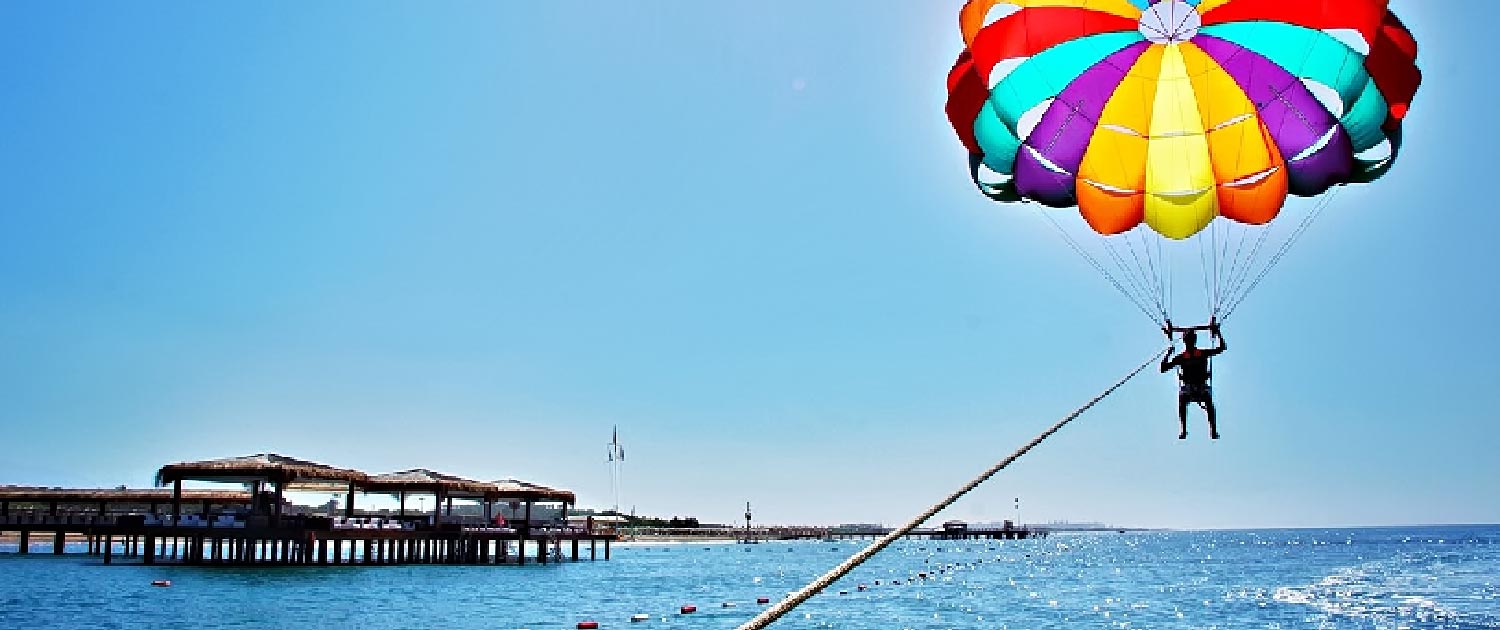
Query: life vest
column 1192, row 354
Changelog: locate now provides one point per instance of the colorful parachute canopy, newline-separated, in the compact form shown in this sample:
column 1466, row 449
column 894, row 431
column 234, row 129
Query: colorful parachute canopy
column 1175, row 112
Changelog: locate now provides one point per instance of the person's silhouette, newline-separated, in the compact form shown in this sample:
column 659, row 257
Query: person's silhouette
column 1193, row 377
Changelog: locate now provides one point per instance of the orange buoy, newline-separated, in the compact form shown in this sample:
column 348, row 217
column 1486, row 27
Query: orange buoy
column 762, row 600
column 162, row 583
column 687, row 610
column 588, row 625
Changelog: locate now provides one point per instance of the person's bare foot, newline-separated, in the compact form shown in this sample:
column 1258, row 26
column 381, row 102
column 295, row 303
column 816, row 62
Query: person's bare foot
column 1182, row 436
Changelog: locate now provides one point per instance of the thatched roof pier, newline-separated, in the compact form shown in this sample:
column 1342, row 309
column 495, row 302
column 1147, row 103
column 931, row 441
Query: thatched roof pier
column 255, row 524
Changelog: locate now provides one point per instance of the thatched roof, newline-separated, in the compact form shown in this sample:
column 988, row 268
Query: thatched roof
column 261, row 467
column 517, row 489
column 424, row 480
column 297, row 474
column 20, row 494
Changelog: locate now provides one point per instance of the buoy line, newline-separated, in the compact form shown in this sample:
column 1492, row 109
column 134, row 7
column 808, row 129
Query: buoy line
column 914, row 579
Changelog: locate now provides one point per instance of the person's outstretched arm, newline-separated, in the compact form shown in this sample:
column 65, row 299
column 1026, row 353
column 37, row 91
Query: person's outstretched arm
column 1223, row 345
column 1167, row 360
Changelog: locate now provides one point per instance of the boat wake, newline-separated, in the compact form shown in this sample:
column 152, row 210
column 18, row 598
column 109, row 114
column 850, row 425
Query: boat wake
column 1383, row 596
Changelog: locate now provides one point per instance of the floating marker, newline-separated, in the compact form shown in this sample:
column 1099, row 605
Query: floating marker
column 728, row 605
column 762, row 600
column 639, row 618
column 688, row 610
column 161, row 583
column 588, row 625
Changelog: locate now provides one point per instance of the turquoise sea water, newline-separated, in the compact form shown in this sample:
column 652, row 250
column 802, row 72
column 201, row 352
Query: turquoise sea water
column 1379, row 578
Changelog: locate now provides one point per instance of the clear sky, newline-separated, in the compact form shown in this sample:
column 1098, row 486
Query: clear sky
column 474, row 236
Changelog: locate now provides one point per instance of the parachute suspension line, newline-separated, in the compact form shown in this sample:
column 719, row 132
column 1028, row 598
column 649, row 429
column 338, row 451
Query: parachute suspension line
column 770, row 615
column 1166, row 274
column 1225, row 264
column 1135, row 275
column 1234, row 265
column 1213, row 249
column 1237, row 283
column 1208, row 289
column 1073, row 243
column 1275, row 259
column 1149, row 281
column 1155, row 275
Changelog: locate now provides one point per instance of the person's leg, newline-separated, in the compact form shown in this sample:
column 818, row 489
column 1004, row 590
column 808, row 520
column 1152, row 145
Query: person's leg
column 1213, row 425
column 1182, row 405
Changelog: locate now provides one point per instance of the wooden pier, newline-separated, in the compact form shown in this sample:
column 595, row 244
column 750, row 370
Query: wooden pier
column 243, row 528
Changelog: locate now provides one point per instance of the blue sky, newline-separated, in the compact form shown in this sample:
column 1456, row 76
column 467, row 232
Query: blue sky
column 474, row 236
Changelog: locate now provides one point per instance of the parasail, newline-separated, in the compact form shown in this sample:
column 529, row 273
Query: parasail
column 1175, row 120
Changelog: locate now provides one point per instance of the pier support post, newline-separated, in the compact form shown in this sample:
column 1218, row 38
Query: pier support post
column 109, row 548
column 606, row 548
column 25, row 546
column 150, row 550
column 575, row 550
column 59, row 540
column 176, row 502
column 521, row 551
column 593, row 549
column 541, row 550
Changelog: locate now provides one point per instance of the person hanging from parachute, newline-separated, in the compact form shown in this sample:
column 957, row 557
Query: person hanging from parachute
column 1194, row 374
column 1172, row 123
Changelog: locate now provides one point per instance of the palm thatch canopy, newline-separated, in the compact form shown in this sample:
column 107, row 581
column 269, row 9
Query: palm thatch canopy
column 517, row 489
column 424, row 480
column 20, row 494
column 291, row 473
